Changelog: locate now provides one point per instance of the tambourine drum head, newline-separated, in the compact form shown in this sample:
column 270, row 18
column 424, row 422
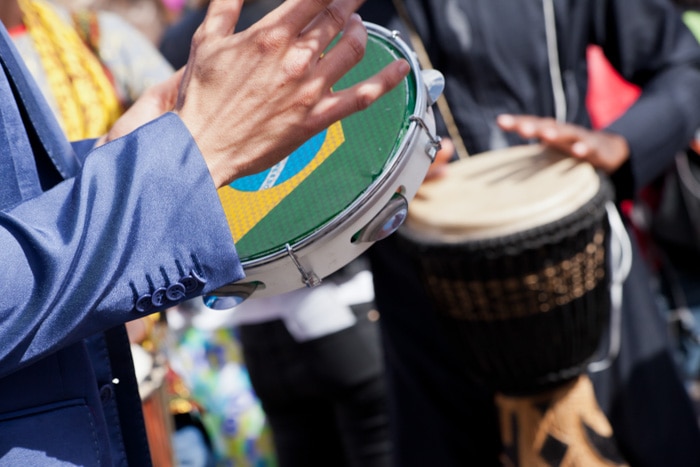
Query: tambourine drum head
column 315, row 184
column 511, row 247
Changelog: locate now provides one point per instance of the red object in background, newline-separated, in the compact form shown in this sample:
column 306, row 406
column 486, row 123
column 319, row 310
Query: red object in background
column 609, row 95
column 16, row 31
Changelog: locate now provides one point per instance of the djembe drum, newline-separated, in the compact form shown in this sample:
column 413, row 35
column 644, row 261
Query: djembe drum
column 511, row 246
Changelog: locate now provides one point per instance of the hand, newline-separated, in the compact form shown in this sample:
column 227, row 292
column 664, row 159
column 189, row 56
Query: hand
column 153, row 103
column 606, row 151
column 249, row 99
column 444, row 155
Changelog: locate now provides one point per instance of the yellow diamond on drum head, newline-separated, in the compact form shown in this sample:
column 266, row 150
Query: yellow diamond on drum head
column 331, row 171
column 248, row 200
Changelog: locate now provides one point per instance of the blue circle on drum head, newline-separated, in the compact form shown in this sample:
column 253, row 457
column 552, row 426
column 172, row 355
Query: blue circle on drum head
column 284, row 170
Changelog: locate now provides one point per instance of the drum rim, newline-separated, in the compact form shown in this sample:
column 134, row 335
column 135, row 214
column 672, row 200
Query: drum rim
column 394, row 164
column 604, row 192
column 498, row 220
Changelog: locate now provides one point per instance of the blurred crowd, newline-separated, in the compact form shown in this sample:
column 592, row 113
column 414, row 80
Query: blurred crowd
column 151, row 17
column 260, row 385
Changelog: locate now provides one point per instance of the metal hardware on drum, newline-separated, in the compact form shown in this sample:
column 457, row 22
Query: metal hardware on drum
column 621, row 259
column 433, row 146
column 309, row 278
column 344, row 189
column 434, row 83
column 386, row 222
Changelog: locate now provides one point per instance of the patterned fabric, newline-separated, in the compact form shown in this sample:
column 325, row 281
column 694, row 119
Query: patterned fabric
column 132, row 60
column 86, row 99
column 561, row 427
column 211, row 364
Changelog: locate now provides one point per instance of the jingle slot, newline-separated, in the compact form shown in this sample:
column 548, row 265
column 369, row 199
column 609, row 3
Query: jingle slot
column 386, row 222
column 231, row 295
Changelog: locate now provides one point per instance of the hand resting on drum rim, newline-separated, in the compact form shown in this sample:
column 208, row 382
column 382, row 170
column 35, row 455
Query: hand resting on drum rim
column 249, row 99
column 604, row 150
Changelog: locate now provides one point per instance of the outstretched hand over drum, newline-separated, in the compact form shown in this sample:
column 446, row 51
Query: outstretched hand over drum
column 606, row 151
column 249, row 99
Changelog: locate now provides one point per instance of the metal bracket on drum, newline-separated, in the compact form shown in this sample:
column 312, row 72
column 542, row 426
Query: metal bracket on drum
column 309, row 278
column 434, row 144
column 434, row 84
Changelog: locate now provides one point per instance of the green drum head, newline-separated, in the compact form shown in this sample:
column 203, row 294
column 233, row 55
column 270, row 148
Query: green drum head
column 332, row 170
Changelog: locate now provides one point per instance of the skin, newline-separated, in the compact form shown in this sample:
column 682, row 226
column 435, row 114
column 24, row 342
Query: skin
column 606, row 151
column 251, row 98
column 442, row 158
column 10, row 14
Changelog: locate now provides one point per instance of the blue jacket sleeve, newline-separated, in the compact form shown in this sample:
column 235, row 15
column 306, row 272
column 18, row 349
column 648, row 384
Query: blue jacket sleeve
column 142, row 218
column 82, row 148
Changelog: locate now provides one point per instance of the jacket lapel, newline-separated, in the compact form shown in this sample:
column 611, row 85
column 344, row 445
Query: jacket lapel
column 18, row 175
column 47, row 136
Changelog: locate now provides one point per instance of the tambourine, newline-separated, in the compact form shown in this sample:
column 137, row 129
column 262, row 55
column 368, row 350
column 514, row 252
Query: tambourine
column 343, row 190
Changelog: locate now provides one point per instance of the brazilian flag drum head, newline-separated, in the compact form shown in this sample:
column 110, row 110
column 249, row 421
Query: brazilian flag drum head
column 327, row 174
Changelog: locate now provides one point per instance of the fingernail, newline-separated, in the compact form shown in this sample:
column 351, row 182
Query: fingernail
column 506, row 119
column 580, row 149
column 549, row 133
column 404, row 67
column 528, row 128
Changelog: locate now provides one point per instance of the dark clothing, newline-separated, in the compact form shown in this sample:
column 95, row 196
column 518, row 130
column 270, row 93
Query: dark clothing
column 489, row 72
column 325, row 399
column 494, row 57
column 176, row 39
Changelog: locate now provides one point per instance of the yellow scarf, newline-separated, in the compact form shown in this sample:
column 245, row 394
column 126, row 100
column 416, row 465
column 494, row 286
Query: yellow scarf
column 86, row 99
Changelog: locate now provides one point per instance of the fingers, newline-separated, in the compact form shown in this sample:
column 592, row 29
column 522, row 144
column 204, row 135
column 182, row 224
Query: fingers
column 346, row 53
column 221, row 17
column 310, row 24
column 338, row 105
column 606, row 151
column 278, row 87
column 563, row 136
column 324, row 27
column 312, row 15
column 529, row 126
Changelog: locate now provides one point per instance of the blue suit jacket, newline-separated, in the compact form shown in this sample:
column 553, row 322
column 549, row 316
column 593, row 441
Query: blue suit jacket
column 89, row 241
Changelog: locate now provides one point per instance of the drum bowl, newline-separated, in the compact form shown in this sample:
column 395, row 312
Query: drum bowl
column 526, row 310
